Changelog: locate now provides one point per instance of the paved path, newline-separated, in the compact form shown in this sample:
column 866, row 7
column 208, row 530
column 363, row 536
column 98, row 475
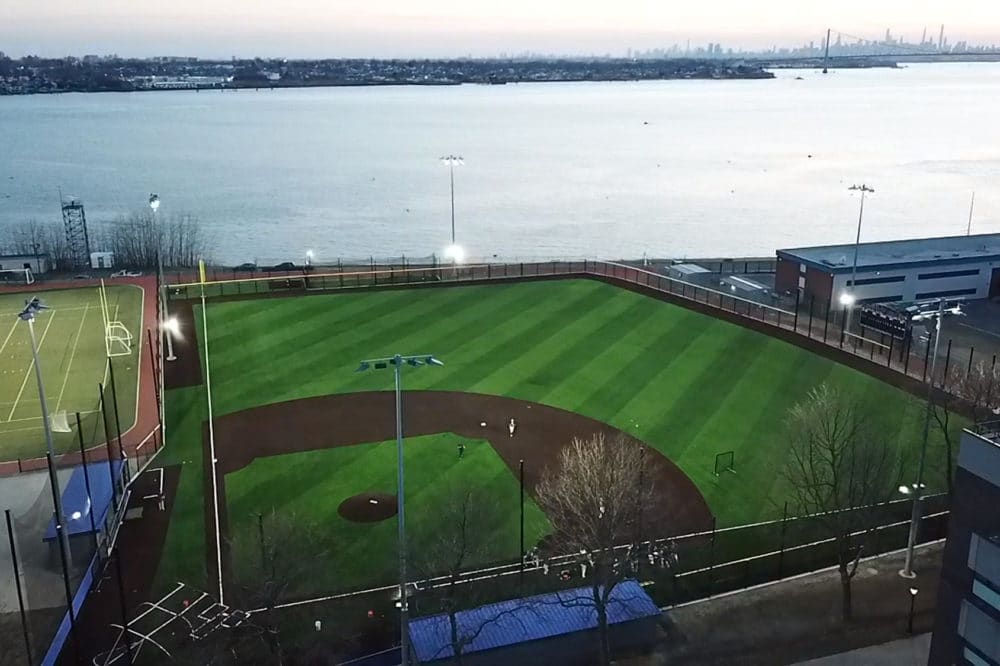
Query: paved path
column 903, row 652
column 799, row 619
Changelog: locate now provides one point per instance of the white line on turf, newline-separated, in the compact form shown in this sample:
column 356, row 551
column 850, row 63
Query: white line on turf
column 7, row 339
column 27, row 373
column 72, row 355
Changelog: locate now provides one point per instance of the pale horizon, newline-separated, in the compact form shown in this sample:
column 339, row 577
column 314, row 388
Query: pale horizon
column 443, row 28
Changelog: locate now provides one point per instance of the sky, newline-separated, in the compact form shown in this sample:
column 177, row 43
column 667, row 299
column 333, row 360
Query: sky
column 444, row 28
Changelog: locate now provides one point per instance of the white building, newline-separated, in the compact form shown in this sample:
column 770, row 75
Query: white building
column 963, row 267
column 38, row 263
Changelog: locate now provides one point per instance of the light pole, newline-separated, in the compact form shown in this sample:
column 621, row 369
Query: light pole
column 172, row 327
column 454, row 252
column 850, row 297
column 397, row 362
column 31, row 310
column 168, row 331
column 913, row 600
column 918, row 486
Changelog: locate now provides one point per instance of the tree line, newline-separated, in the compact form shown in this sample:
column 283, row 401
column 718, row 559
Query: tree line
column 134, row 239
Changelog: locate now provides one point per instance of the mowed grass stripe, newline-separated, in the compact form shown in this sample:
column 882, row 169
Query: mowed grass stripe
column 552, row 361
column 338, row 316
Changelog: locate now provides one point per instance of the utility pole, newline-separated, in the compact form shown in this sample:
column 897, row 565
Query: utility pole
column 972, row 206
column 826, row 56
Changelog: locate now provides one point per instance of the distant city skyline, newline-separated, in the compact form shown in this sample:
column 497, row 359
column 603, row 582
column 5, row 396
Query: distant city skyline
column 443, row 28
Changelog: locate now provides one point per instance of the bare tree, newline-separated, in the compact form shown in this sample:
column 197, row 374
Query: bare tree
column 136, row 239
column 974, row 391
column 594, row 498
column 36, row 238
column 267, row 564
column 839, row 472
column 466, row 538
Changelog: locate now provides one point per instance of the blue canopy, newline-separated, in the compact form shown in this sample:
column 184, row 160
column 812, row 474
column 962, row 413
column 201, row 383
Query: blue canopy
column 78, row 508
column 529, row 619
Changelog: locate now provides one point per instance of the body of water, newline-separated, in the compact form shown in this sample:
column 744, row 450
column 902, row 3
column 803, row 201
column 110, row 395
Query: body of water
column 673, row 168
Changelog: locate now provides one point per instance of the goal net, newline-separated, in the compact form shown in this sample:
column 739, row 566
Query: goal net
column 59, row 422
column 16, row 276
column 117, row 338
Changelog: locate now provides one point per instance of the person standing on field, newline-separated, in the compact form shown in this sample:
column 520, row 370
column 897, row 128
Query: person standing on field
column 511, row 427
column 461, row 450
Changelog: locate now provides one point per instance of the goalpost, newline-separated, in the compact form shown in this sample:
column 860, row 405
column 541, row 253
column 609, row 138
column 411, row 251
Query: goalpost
column 117, row 338
column 17, row 276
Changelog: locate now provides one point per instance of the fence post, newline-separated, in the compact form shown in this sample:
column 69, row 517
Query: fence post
column 947, row 362
column 795, row 322
column 826, row 325
column 711, row 561
column 843, row 328
column 781, row 544
column 107, row 444
column 927, row 357
column 888, row 356
column 972, row 352
column 114, row 403
column 17, row 584
column 906, row 358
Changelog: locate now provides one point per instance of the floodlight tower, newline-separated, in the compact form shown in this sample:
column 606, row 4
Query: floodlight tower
column 918, row 487
column 454, row 252
column 31, row 310
column 397, row 361
column 849, row 297
column 75, row 228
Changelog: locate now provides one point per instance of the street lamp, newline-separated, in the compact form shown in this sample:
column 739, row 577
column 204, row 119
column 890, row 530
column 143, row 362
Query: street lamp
column 397, row 361
column 913, row 599
column 172, row 327
column 309, row 258
column 864, row 189
column 154, row 205
column 918, row 486
column 452, row 161
column 31, row 309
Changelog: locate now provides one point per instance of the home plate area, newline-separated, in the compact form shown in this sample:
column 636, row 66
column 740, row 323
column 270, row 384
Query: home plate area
column 181, row 615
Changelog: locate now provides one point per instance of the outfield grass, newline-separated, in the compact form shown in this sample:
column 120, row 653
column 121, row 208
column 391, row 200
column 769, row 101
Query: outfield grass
column 73, row 358
column 689, row 385
column 364, row 554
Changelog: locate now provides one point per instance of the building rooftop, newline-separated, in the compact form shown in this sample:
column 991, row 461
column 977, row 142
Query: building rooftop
column 898, row 253
column 529, row 619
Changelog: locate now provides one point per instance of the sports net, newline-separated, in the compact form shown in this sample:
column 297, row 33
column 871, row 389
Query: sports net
column 117, row 338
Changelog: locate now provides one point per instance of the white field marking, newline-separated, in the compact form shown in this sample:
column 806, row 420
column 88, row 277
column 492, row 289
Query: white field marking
column 39, row 418
column 72, row 355
column 27, row 373
column 9, row 335
column 14, row 313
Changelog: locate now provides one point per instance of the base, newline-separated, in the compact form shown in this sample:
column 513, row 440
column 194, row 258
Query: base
column 910, row 575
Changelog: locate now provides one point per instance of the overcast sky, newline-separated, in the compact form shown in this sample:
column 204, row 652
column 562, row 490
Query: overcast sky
column 419, row 28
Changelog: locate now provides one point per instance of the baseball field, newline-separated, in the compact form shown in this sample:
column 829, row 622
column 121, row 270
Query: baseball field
column 71, row 346
column 299, row 433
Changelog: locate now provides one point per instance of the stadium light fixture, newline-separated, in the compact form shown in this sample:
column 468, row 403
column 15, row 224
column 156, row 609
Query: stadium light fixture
column 171, row 327
column 397, row 362
column 455, row 253
column 864, row 189
column 918, row 486
column 846, row 299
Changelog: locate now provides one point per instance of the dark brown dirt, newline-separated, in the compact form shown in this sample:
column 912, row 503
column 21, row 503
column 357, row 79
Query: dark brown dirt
column 353, row 418
column 186, row 370
column 368, row 507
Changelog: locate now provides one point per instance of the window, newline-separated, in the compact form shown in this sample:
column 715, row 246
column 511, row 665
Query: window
column 948, row 274
column 802, row 268
column 986, row 594
column 802, row 283
column 949, row 292
column 877, row 280
column 973, row 658
column 882, row 299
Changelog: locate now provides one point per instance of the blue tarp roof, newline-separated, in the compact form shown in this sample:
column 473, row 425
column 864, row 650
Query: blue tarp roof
column 528, row 619
column 77, row 507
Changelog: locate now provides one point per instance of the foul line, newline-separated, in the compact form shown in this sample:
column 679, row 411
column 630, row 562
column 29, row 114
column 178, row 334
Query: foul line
column 211, row 443
column 27, row 373
column 72, row 355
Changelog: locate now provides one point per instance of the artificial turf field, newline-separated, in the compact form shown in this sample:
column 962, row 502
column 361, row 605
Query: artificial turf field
column 74, row 361
column 687, row 384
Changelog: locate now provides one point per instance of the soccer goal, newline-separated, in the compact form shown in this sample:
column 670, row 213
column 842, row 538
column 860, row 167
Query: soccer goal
column 117, row 338
column 17, row 276
column 59, row 422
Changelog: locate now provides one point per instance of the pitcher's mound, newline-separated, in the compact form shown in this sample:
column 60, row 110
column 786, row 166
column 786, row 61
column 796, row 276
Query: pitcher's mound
column 368, row 507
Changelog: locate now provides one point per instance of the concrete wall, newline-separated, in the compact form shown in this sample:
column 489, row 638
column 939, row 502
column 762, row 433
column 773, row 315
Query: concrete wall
column 786, row 276
column 39, row 264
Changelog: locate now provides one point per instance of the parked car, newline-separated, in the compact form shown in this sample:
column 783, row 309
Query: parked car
column 285, row 266
column 248, row 267
column 81, row 276
column 126, row 274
